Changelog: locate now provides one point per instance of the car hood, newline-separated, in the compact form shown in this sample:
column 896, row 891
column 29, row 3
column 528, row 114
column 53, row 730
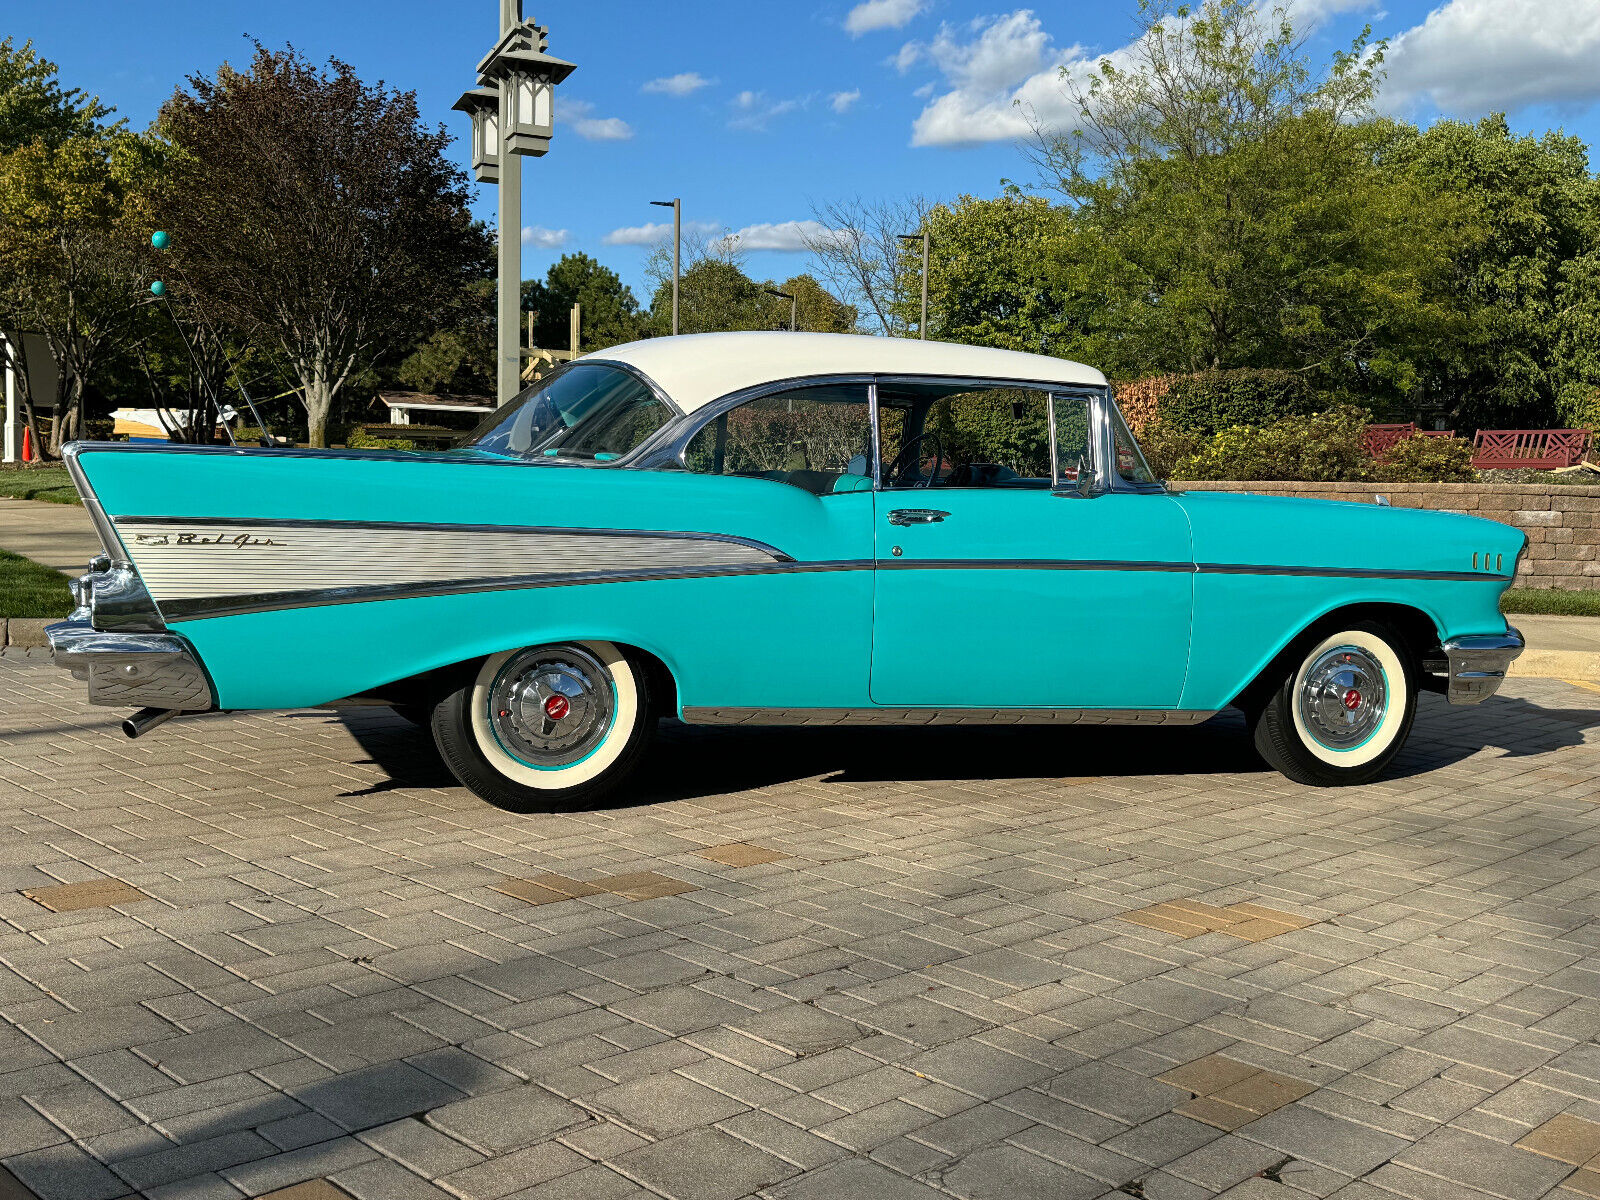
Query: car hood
column 1288, row 531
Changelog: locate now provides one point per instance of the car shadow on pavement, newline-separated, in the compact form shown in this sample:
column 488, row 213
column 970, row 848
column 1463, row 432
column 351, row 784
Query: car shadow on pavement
column 688, row 762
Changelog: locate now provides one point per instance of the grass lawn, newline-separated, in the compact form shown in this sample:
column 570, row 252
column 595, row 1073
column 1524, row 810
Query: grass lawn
column 38, row 483
column 29, row 590
column 1543, row 600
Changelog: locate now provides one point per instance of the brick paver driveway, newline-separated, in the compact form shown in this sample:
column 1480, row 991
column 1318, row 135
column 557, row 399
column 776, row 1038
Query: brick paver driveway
column 990, row 963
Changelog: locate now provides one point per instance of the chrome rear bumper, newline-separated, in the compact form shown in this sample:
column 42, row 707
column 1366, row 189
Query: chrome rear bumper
column 131, row 670
column 1476, row 665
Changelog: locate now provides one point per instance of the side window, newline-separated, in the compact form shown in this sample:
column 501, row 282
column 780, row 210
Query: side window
column 949, row 435
column 1074, row 449
column 815, row 438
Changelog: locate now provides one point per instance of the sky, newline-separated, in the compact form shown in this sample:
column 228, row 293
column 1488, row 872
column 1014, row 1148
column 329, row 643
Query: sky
column 755, row 111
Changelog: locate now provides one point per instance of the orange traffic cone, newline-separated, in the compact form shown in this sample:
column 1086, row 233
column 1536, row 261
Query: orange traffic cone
column 27, row 443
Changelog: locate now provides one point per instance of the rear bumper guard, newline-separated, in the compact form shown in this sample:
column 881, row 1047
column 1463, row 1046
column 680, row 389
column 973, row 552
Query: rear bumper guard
column 131, row 670
column 1475, row 666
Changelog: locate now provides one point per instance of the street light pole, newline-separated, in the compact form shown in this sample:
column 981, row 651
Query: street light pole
column 676, row 205
column 513, row 114
column 508, row 318
column 794, row 306
column 922, row 326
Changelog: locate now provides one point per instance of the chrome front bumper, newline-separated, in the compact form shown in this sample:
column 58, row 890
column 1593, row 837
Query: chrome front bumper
column 1476, row 665
column 131, row 670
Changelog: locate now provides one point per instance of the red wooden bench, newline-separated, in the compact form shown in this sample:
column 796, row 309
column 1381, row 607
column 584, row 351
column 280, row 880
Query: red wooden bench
column 1540, row 449
column 1378, row 440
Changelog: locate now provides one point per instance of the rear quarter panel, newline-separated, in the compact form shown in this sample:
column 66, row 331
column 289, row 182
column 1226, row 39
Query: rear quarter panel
column 800, row 638
column 1242, row 620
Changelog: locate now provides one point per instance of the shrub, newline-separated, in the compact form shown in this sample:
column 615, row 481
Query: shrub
column 360, row 439
column 1324, row 447
column 1421, row 459
column 1211, row 401
column 1140, row 400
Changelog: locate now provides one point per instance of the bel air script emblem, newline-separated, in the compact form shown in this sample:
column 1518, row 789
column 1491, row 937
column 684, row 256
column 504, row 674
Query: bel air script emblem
column 236, row 541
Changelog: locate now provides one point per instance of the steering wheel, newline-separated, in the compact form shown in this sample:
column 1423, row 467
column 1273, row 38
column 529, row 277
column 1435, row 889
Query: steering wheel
column 909, row 456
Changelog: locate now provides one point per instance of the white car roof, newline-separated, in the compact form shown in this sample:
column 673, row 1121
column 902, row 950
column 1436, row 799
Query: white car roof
column 697, row 368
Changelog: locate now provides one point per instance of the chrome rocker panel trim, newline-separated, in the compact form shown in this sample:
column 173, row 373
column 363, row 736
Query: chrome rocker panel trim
column 124, row 669
column 900, row 715
column 1476, row 664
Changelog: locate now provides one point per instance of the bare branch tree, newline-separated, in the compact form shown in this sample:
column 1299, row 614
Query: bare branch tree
column 863, row 260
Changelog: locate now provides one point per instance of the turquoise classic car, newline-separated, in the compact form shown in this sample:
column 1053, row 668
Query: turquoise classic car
column 782, row 528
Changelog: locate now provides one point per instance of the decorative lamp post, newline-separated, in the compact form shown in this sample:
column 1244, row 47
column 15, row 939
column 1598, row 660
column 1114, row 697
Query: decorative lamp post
column 513, row 113
column 922, row 325
column 483, row 106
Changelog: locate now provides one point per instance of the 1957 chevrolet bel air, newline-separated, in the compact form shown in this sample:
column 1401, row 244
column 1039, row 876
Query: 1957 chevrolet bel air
column 774, row 528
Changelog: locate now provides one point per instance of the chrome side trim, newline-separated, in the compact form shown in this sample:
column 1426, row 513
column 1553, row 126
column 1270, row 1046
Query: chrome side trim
column 1343, row 572
column 202, row 607
column 1030, row 564
column 131, row 670
column 1476, row 664
column 900, row 715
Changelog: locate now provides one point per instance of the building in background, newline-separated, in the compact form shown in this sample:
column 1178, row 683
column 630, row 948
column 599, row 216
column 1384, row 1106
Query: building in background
column 41, row 367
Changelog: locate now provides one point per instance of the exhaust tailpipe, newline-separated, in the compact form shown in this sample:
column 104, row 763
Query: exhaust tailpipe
column 147, row 719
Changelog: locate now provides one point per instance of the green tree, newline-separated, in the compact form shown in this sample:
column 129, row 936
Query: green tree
column 1236, row 210
column 817, row 309
column 75, row 221
column 319, row 218
column 610, row 314
column 1526, row 271
column 33, row 104
column 1006, row 272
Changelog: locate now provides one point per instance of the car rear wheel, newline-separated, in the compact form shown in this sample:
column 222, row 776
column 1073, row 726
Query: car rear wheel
column 548, row 728
column 1343, row 712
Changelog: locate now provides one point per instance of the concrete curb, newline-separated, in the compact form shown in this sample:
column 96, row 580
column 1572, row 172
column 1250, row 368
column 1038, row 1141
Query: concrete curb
column 1556, row 664
column 23, row 631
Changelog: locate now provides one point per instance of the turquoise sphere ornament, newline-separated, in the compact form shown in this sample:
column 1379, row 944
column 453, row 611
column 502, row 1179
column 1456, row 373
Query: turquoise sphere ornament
column 158, row 288
column 158, row 239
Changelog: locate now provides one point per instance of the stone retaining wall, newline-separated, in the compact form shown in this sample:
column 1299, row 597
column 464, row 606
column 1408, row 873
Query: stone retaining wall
column 1562, row 521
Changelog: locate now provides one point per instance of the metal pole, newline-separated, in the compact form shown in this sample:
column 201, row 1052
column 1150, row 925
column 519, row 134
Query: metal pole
column 509, row 318
column 676, row 204
column 923, row 327
column 794, row 314
column 11, row 401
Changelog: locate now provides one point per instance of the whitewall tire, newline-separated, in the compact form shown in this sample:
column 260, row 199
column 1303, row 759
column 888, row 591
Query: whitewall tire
column 547, row 728
column 1343, row 711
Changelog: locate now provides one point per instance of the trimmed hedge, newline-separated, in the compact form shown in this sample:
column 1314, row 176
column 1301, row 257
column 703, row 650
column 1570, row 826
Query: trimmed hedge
column 1210, row 401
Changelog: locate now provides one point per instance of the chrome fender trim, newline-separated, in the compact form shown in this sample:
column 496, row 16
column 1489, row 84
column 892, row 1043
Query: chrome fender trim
column 901, row 715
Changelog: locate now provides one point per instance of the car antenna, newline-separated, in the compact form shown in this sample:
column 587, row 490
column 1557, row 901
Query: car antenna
column 158, row 289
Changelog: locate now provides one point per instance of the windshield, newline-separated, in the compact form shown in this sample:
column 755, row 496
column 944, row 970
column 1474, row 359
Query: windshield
column 587, row 410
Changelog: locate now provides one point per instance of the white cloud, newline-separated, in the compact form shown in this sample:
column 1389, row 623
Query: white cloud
column 653, row 232
column 881, row 14
column 841, row 102
column 586, row 125
column 1003, row 73
column 989, row 66
column 784, row 235
column 544, row 239
column 682, row 84
column 756, row 110
column 1473, row 56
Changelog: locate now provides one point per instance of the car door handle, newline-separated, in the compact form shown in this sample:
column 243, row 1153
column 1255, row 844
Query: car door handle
column 916, row 516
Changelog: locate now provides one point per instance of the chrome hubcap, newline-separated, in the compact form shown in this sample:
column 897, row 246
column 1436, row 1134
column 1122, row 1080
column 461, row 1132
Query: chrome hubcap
column 552, row 706
column 1342, row 697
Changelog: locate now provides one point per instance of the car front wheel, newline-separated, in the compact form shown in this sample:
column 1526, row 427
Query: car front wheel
column 1343, row 712
column 548, row 728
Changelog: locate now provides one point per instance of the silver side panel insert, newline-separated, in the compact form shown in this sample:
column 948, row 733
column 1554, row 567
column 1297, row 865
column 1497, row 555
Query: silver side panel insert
column 206, row 559
column 943, row 716
column 131, row 670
